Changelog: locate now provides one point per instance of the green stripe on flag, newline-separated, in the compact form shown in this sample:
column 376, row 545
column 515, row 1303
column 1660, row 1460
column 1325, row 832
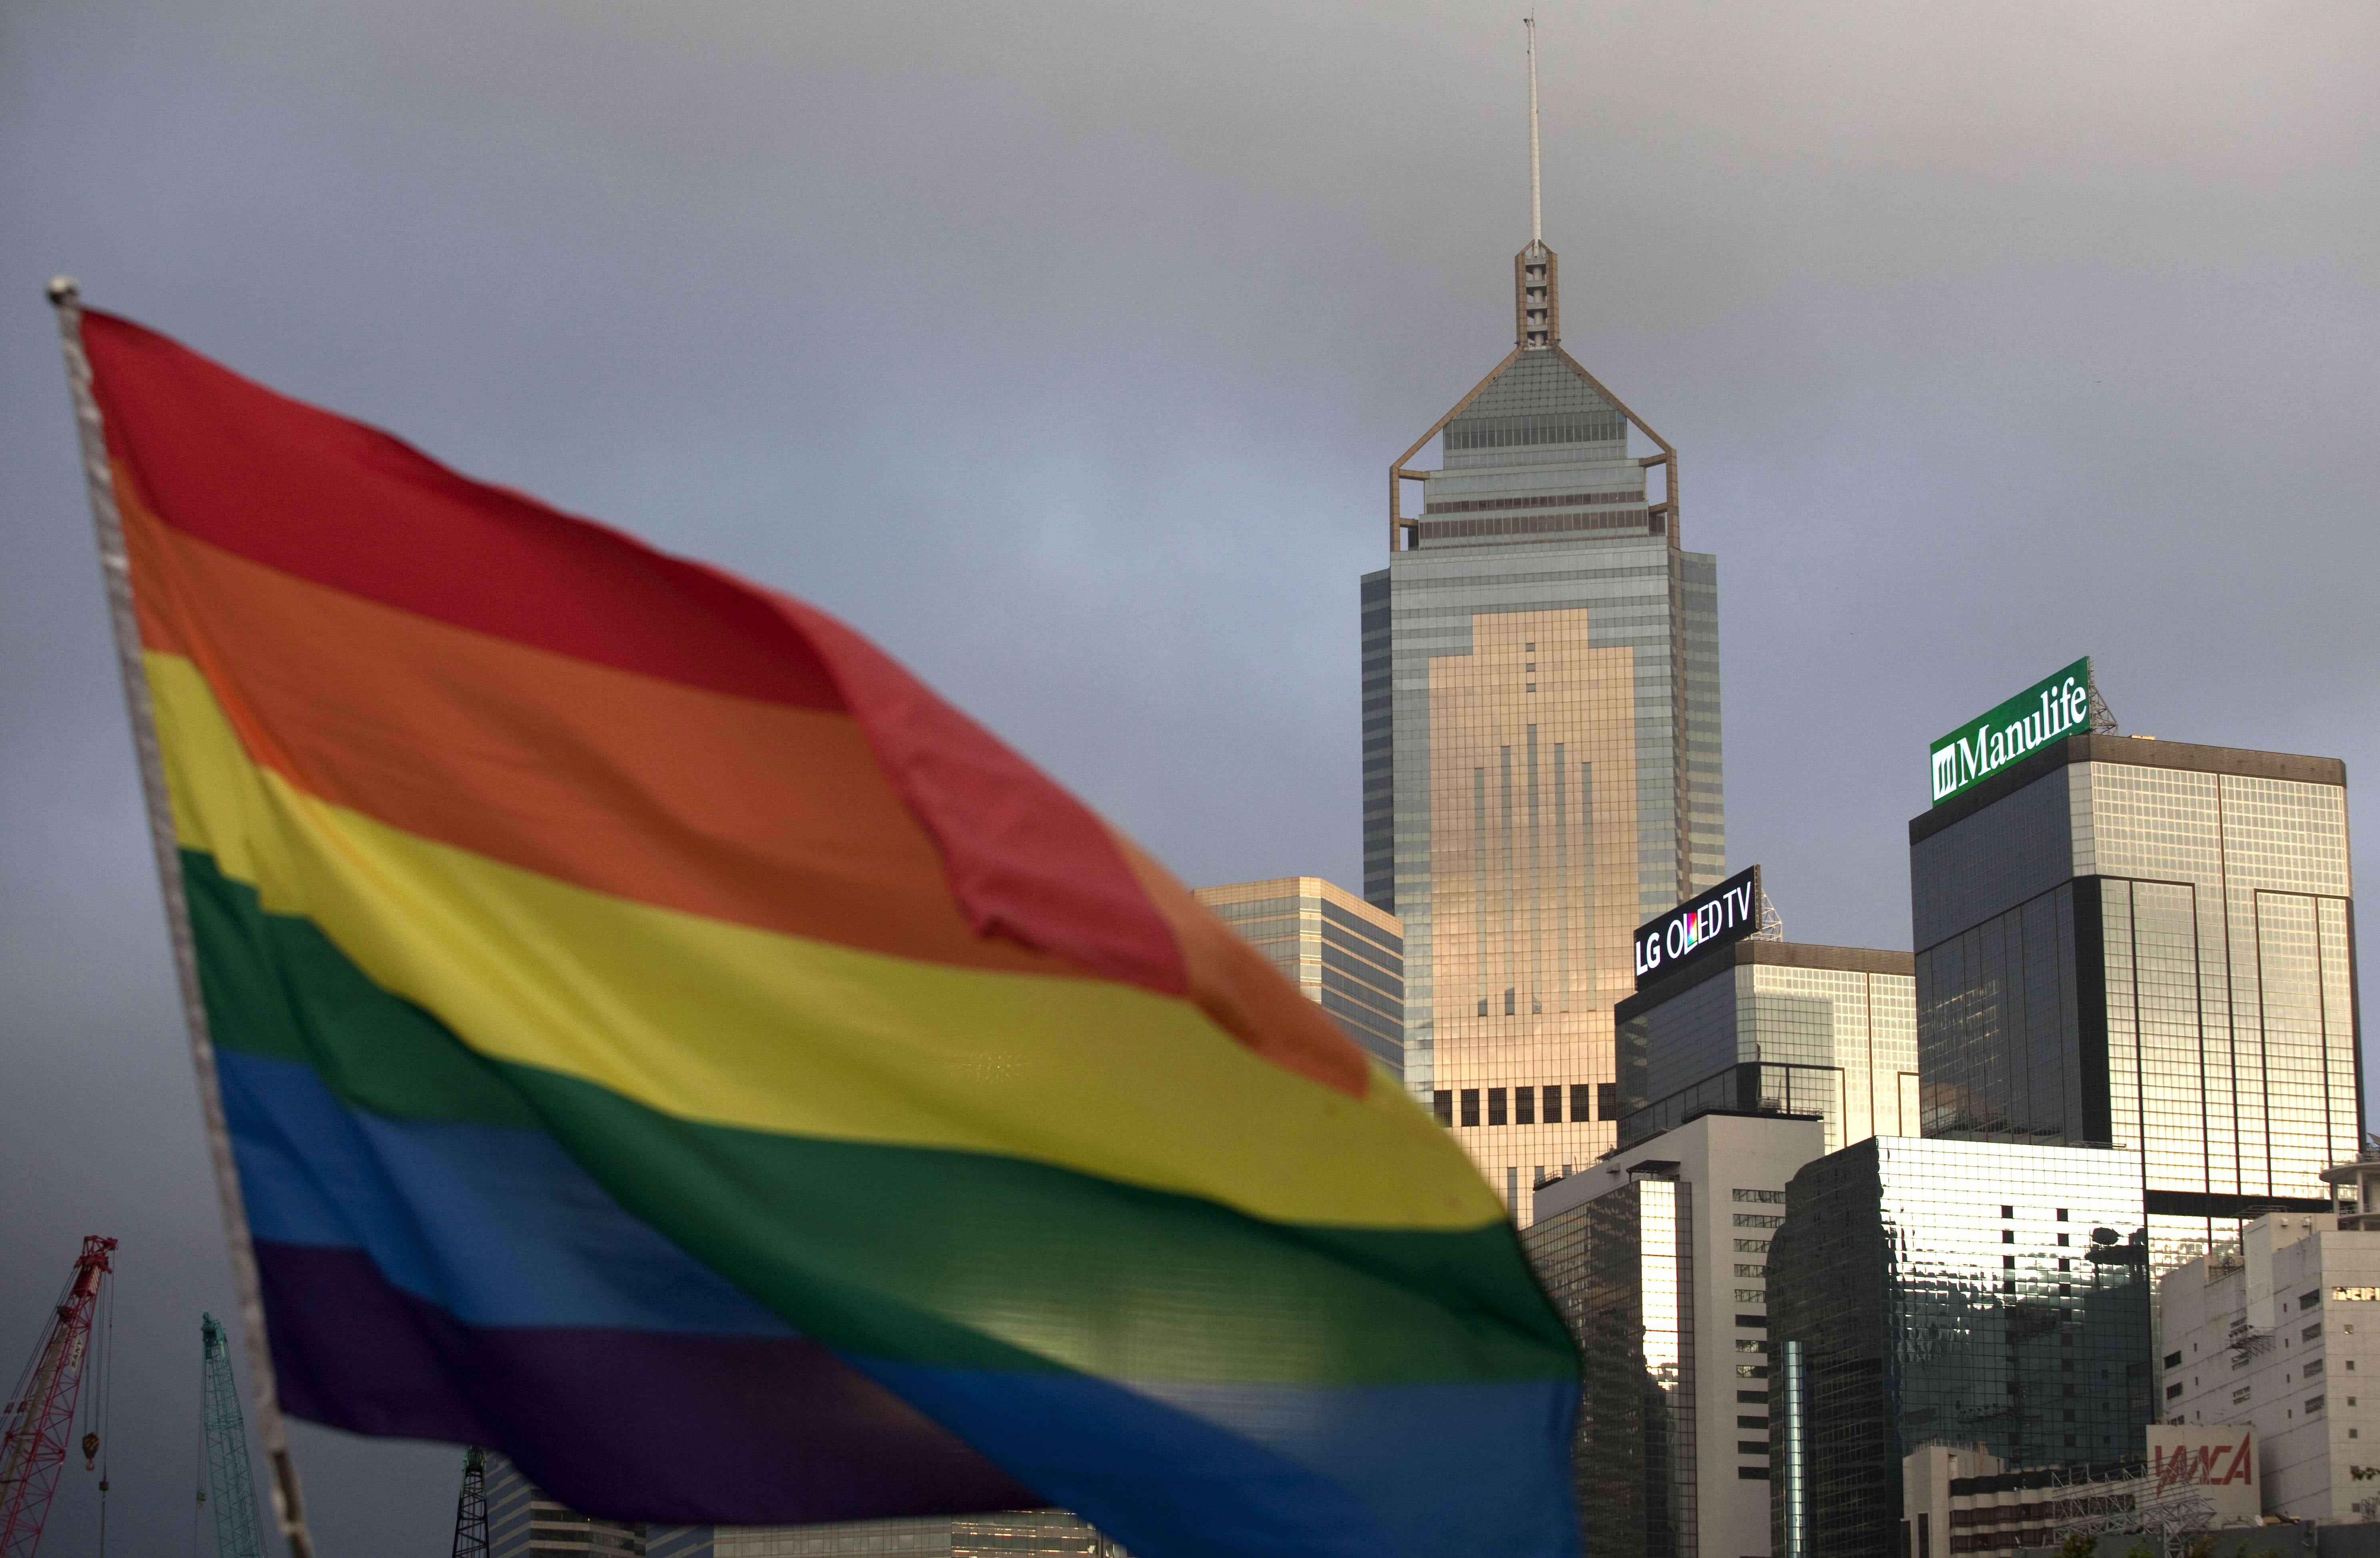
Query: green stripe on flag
column 924, row 1254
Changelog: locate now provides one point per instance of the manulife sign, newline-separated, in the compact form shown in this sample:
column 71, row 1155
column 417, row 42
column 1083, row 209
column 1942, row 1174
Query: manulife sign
column 2057, row 706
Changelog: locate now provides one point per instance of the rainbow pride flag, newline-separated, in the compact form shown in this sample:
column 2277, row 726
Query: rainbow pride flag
column 663, row 1041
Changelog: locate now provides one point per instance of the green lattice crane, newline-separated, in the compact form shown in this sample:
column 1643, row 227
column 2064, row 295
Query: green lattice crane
column 226, row 1431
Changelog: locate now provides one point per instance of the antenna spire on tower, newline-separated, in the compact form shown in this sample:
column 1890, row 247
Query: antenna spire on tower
column 1537, row 206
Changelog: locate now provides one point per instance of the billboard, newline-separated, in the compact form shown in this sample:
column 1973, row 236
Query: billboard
column 2216, row 1463
column 2051, row 709
column 1728, row 912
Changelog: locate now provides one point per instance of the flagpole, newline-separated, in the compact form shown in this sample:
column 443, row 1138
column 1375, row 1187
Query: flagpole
column 115, row 573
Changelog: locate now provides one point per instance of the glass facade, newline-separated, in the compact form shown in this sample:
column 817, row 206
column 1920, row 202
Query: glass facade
column 1346, row 956
column 2147, row 944
column 1957, row 1291
column 1778, row 1028
column 1541, row 751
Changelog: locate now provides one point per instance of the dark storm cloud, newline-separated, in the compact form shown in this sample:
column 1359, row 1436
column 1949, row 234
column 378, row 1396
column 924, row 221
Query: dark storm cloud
column 1064, row 350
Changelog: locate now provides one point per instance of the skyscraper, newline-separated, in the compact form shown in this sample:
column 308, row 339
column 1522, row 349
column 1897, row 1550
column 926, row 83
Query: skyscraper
column 1776, row 1026
column 2146, row 944
column 1657, row 1257
column 1969, row 1292
column 1346, row 956
column 1541, row 736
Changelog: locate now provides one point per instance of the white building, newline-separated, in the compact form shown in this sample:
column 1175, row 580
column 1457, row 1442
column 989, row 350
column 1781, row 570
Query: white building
column 2276, row 1333
column 1658, row 1256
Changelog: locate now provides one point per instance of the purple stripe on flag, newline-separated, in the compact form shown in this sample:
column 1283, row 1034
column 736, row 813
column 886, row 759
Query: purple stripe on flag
column 630, row 1425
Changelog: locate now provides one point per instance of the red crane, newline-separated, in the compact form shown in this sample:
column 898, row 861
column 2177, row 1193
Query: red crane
column 41, row 1413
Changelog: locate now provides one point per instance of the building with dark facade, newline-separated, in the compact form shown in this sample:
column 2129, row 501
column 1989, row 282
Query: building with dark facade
column 1965, row 1291
column 1774, row 1026
column 2146, row 944
column 1345, row 955
column 1541, row 735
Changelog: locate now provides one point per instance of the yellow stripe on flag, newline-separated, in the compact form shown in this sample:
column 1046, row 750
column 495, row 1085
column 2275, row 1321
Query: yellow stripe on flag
column 719, row 1022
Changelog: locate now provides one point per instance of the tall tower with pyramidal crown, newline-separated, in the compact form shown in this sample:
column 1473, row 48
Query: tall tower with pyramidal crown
column 1541, row 736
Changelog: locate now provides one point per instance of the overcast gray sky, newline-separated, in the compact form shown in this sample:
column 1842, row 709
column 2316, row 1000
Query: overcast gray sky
column 1063, row 348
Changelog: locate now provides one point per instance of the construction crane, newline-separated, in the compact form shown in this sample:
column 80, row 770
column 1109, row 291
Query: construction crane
column 471, row 1508
column 40, row 1412
column 226, row 1433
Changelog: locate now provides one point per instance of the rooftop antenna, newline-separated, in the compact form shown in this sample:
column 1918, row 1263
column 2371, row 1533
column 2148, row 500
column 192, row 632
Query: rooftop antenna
column 1537, row 206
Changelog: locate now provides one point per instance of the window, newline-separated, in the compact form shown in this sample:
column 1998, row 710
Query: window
column 2309, row 1300
column 1751, row 1423
column 1752, row 1473
column 1553, row 1102
column 2240, row 1396
column 2173, row 1361
column 1751, row 1296
column 2008, row 1236
column 1441, row 1104
column 1753, row 1323
column 2173, row 1390
column 2008, row 1262
column 1752, row 1447
column 1751, row 1343
column 2314, row 1404
column 2065, row 1239
column 1758, row 1220
column 1744, row 1270
column 2061, row 1214
column 1761, row 1198
column 2313, row 1369
column 1582, row 1100
column 2008, row 1212
column 1471, row 1106
column 1525, row 1106
column 1760, row 1398
column 2311, row 1331
column 1751, row 1371
column 1751, row 1247
column 1496, row 1106
column 1607, row 1101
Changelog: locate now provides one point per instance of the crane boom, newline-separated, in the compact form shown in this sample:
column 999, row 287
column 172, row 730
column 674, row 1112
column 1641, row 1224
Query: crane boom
column 226, row 1428
column 41, row 1412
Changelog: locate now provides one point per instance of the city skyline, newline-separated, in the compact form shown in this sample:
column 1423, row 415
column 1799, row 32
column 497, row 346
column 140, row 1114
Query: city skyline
column 1963, row 341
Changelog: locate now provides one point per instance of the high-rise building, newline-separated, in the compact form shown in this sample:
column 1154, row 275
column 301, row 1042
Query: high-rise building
column 524, row 1521
column 1346, row 956
column 1829, row 1031
column 2274, row 1333
column 1540, row 733
column 1980, row 1292
column 2144, row 943
column 1657, row 1257
column 1024, row 1533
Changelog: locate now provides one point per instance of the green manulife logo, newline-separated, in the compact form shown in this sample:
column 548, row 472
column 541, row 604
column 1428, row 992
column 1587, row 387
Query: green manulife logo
column 2055, row 707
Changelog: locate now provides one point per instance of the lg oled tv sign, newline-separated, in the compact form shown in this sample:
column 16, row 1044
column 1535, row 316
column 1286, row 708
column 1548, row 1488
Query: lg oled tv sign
column 1699, row 927
column 2055, row 707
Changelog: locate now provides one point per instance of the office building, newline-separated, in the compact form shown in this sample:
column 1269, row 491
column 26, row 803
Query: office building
column 1346, row 956
column 2145, row 943
column 1983, row 1291
column 1771, row 1025
column 1658, row 1258
column 1026, row 1533
column 2279, row 1331
column 1541, row 738
column 523, row 1522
